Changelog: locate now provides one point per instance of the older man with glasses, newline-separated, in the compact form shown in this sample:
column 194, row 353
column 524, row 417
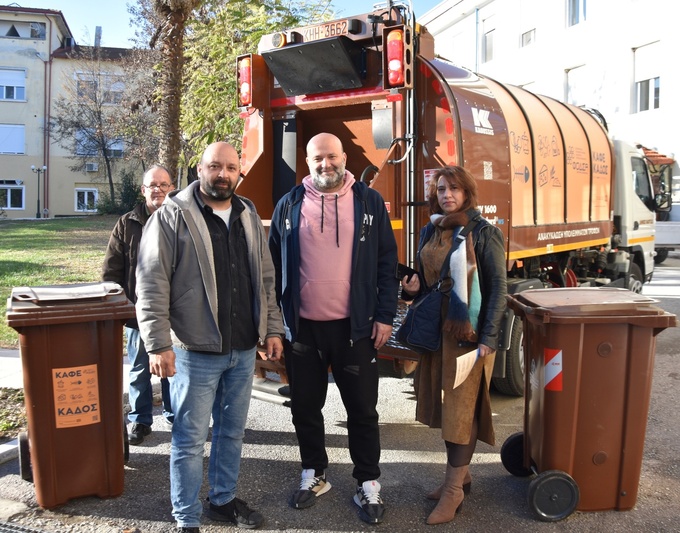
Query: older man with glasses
column 119, row 266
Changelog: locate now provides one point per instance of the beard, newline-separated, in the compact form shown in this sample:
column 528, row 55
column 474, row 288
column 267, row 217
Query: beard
column 219, row 194
column 329, row 181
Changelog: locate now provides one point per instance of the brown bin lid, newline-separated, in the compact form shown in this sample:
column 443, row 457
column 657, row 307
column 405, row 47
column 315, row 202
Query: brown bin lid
column 58, row 304
column 604, row 301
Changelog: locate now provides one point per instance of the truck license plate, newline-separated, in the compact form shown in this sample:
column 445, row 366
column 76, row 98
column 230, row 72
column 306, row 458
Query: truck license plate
column 324, row 31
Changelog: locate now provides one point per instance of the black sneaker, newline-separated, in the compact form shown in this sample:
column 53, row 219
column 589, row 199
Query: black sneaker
column 311, row 487
column 188, row 530
column 371, row 506
column 138, row 432
column 237, row 512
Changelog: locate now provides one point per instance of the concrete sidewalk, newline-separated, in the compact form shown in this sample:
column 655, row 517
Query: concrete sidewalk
column 11, row 373
column 11, row 376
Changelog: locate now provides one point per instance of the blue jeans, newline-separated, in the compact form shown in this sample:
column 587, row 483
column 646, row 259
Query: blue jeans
column 205, row 385
column 141, row 391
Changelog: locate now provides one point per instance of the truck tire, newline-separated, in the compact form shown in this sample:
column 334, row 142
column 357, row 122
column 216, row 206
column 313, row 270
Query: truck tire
column 635, row 279
column 661, row 255
column 513, row 382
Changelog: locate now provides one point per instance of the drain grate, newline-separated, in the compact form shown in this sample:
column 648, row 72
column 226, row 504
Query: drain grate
column 6, row 527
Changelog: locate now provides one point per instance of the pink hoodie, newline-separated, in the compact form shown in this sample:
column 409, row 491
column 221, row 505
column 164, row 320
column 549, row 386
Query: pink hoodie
column 326, row 241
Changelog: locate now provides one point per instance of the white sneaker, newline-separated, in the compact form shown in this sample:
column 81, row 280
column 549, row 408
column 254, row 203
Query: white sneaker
column 311, row 487
column 371, row 506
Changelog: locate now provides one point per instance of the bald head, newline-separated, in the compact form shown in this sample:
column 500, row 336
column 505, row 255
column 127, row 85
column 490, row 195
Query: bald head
column 216, row 150
column 326, row 161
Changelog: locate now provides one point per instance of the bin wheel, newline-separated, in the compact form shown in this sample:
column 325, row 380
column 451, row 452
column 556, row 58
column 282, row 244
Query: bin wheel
column 512, row 455
column 25, row 470
column 553, row 495
column 126, row 443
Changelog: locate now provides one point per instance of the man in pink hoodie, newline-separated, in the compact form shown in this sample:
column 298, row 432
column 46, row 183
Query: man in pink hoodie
column 335, row 253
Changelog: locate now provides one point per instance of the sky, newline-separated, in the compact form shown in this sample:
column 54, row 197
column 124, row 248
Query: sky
column 83, row 16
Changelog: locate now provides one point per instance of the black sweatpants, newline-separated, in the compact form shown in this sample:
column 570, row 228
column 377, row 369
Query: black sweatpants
column 355, row 370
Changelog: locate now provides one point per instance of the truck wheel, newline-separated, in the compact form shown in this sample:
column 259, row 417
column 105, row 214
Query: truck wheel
column 513, row 382
column 635, row 278
column 661, row 255
column 512, row 455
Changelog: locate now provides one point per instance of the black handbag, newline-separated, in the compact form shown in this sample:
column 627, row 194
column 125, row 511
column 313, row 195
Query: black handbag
column 421, row 330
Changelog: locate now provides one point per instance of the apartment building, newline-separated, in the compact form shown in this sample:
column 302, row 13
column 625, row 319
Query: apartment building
column 39, row 58
column 615, row 56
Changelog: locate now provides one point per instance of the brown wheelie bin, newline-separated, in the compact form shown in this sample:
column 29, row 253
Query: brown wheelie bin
column 71, row 340
column 589, row 359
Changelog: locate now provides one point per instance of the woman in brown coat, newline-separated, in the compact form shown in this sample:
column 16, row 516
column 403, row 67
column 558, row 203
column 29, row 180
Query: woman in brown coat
column 471, row 320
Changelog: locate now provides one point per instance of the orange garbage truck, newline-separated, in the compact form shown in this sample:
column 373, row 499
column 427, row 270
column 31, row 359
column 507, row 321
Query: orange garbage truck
column 575, row 206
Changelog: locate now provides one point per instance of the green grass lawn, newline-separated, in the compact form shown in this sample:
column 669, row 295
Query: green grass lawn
column 49, row 252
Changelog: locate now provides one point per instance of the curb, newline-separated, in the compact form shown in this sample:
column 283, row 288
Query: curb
column 9, row 450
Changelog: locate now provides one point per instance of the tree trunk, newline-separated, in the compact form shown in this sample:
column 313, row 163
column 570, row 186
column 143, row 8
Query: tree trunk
column 174, row 16
column 109, row 175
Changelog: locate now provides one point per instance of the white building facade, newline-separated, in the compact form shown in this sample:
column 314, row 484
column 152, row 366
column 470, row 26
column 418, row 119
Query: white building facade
column 615, row 56
column 39, row 59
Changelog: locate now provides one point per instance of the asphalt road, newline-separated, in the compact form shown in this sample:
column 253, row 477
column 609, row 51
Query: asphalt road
column 412, row 463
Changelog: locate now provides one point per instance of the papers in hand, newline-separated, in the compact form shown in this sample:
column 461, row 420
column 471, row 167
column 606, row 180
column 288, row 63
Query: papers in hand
column 464, row 364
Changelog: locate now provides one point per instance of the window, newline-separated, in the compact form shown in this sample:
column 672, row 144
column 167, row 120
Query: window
column 113, row 90
column 89, row 145
column 38, row 30
column 12, row 139
column 487, row 47
column 86, row 90
column 578, row 86
column 100, row 87
column 86, row 143
column 647, row 94
column 488, row 27
column 11, row 194
column 12, row 84
column 86, row 200
column 22, row 30
column 576, row 12
column 115, row 148
column 641, row 181
column 528, row 37
column 648, row 62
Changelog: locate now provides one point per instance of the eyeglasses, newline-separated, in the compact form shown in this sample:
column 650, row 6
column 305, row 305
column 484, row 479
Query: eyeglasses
column 165, row 187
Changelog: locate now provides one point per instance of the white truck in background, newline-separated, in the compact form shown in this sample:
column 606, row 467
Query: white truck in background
column 667, row 238
column 667, row 227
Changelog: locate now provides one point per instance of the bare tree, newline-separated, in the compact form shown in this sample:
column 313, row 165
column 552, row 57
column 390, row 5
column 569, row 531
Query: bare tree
column 138, row 112
column 86, row 119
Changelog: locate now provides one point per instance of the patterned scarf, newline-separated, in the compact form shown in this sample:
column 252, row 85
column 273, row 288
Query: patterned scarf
column 465, row 298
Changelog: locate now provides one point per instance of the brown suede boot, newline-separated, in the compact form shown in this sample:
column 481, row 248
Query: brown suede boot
column 467, row 486
column 451, row 497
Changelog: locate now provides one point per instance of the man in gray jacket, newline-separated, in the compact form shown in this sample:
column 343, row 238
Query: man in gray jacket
column 205, row 298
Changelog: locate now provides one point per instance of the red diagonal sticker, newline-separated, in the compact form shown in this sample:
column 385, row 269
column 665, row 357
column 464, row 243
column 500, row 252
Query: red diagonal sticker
column 552, row 368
